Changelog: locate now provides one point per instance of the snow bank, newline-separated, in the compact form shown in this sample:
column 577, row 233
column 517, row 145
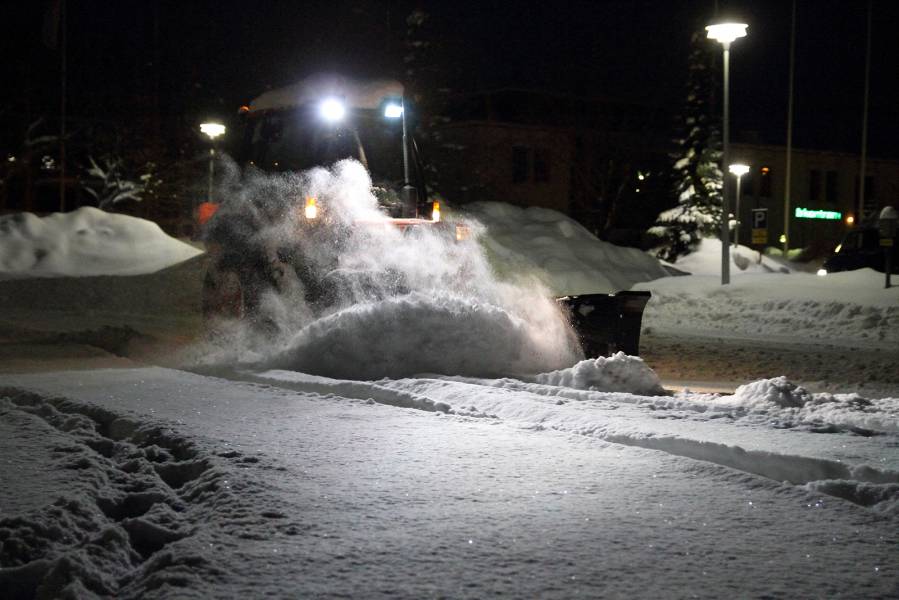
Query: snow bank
column 845, row 307
column 558, row 251
column 617, row 373
column 85, row 242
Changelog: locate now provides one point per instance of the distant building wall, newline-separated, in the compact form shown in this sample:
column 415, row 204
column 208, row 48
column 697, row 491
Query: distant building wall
column 820, row 180
column 520, row 164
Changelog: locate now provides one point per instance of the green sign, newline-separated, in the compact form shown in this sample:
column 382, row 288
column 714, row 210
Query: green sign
column 827, row 215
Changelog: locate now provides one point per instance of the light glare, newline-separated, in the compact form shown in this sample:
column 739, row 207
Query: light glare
column 393, row 111
column 739, row 169
column 332, row 110
column 822, row 272
column 726, row 33
column 213, row 130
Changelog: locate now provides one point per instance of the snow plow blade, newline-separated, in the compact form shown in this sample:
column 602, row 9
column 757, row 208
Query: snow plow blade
column 607, row 323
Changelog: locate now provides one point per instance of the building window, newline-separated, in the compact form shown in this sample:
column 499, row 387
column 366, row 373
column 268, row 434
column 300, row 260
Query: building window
column 814, row 186
column 519, row 164
column 541, row 164
column 765, row 182
column 830, row 187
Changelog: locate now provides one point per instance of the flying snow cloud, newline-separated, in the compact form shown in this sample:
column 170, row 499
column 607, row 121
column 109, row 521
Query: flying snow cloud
column 351, row 295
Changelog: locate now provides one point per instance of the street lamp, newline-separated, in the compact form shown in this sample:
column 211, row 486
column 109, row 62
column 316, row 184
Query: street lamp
column 725, row 33
column 213, row 130
column 738, row 169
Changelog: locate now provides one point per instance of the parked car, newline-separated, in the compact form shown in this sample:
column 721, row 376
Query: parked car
column 861, row 248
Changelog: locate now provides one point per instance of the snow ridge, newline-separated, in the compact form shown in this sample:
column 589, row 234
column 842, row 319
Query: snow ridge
column 540, row 407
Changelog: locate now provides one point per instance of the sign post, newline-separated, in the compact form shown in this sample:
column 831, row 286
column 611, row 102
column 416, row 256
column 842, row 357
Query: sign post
column 760, row 229
column 887, row 223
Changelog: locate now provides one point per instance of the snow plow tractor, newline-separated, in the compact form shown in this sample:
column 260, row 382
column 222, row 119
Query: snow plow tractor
column 274, row 244
column 271, row 243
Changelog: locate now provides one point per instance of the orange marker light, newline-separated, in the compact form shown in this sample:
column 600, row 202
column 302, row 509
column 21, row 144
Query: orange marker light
column 311, row 208
column 435, row 211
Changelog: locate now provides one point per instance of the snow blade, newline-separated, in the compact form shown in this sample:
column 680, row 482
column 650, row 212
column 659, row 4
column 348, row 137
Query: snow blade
column 607, row 323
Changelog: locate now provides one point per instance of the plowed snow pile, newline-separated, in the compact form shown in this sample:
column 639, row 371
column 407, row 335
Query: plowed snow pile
column 417, row 333
column 85, row 242
column 558, row 251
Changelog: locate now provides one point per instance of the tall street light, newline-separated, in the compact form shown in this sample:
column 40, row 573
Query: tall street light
column 725, row 33
column 213, row 130
column 738, row 170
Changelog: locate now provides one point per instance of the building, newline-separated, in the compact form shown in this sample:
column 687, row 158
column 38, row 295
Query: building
column 824, row 192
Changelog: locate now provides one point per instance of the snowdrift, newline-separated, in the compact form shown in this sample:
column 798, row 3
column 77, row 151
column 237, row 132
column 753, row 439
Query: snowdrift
column 706, row 260
column 558, row 251
column 85, row 242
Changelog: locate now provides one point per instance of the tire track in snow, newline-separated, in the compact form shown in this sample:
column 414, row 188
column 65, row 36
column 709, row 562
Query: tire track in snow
column 135, row 529
column 538, row 406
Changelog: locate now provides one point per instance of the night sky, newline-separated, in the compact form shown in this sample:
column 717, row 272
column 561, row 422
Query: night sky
column 206, row 58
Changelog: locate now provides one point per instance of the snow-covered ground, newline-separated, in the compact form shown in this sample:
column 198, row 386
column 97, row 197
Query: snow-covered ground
column 479, row 465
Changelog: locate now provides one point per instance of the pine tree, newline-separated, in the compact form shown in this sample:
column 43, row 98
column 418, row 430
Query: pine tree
column 696, row 169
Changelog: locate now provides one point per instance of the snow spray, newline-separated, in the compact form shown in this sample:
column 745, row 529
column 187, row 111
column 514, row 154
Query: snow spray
column 387, row 302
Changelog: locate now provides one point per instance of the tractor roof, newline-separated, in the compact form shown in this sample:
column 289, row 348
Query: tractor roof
column 355, row 93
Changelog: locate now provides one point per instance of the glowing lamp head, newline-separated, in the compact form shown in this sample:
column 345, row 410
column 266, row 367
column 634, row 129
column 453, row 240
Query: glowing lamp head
column 332, row 110
column 822, row 272
column 213, row 130
column 850, row 220
column 739, row 169
column 393, row 110
column 725, row 33
column 435, row 211
column 311, row 208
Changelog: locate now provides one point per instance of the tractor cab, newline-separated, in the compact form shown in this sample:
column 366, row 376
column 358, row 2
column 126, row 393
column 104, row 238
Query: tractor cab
column 325, row 118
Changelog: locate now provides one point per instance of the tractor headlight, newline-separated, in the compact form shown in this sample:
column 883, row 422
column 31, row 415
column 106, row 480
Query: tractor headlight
column 822, row 272
column 332, row 110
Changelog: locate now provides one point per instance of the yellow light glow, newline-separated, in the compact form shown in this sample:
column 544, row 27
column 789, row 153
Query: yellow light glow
column 435, row 211
column 311, row 208
column 462, row 233
column 782, row 238
column 850, row 220
column 838, row 248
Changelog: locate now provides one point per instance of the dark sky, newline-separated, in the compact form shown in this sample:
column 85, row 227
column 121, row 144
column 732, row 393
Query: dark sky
column 212, row 56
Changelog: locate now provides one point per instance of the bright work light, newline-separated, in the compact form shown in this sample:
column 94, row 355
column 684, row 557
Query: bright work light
column 393, row 110
column 332, row 110
column 725, row 33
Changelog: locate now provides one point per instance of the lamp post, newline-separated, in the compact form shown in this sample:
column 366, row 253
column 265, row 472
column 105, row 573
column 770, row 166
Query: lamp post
column 738, row 169
column 725, row 33
column 213, row 130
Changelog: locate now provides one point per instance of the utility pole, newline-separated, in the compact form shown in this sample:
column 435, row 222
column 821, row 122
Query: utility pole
column 789, row 166
column 62, row 107
column 863, row 166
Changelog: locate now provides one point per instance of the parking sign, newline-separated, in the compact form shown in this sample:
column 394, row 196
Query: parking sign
column 760, row 226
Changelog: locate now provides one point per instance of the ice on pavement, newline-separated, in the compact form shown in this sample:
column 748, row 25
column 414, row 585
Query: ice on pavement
column 84, row 242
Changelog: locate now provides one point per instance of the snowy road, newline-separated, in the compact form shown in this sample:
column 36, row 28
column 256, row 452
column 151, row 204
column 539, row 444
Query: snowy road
column 197, row 486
